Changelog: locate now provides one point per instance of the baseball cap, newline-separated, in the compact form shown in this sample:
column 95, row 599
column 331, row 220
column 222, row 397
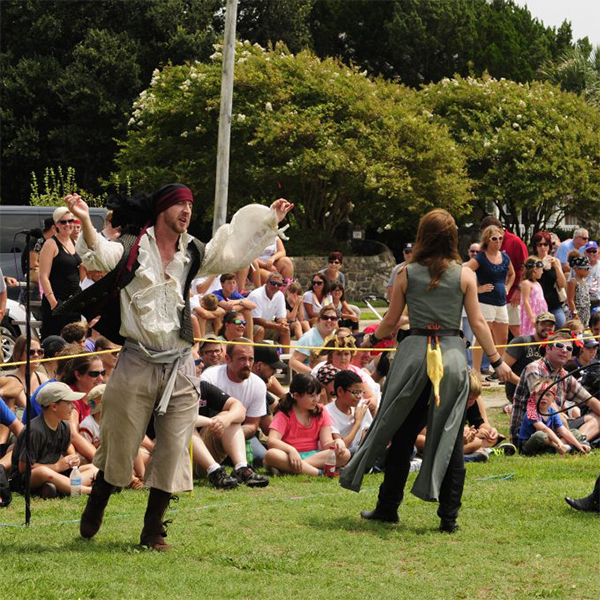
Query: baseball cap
column 269, row 356
column 59, row 213
column 590, row 343
column 408, row 247
column 48, row 222
column 210, row 338
column 92, row 397
column 545, row 316
column 591, row 246
column 55, row 392
column 52, row 345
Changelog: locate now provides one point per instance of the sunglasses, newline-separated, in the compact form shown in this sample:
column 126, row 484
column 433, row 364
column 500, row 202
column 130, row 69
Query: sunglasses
column 36, row 352
column 583, row 237
column 473, row 251
column 66, row 221
column 534, row 265
column 591, row 251
column 335, row 262
column 497, row 238
column 94, row 374
column 560, row 346
column 277, row 283
column 542, row 244
column 239, row 322
column 330, row 318
column 317, row 283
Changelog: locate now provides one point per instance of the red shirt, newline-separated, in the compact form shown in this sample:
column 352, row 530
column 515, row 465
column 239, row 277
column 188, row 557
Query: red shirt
column 81, row 406
column 517, row 251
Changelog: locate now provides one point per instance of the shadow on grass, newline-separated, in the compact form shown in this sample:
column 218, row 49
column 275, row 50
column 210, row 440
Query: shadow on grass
column 77, row 544
column 358, row 525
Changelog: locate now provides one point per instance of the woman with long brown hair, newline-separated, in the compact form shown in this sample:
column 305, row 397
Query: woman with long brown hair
column 436, row 287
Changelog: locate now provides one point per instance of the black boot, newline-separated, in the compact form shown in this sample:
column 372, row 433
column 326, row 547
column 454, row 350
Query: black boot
column 155, row 531
column 450, row 499
column 590, row 503
column 91, row 519
column 381, row 513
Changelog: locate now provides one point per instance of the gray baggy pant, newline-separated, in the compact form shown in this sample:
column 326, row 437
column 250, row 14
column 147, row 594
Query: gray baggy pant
column 133, row 391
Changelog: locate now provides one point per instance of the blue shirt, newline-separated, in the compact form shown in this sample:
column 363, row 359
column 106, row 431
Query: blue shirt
column 563, row 251
column 7, row 416
column 553, row 421
column 234, row 296
column 488, row 272
column 311, row 338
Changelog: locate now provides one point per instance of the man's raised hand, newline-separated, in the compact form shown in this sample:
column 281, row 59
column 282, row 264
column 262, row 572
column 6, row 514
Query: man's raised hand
column 77, row 206
column 281, row 207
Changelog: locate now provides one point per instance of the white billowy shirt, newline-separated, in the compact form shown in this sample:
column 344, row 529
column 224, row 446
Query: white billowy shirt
column 152, row 303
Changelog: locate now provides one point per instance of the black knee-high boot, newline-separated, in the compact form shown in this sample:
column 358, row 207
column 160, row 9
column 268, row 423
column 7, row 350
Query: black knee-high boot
column 450, row 499
column 91, row 519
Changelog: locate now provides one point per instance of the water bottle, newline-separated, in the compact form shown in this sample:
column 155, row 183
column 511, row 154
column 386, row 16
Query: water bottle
column 76, row 482
column 330, row 463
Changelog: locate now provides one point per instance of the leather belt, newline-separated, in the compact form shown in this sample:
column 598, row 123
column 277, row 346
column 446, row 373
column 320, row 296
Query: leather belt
column 434, row 332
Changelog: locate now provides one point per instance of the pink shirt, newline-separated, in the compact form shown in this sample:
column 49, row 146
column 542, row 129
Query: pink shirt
column 304, row 439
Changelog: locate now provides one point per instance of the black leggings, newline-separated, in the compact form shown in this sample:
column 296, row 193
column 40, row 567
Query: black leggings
column 397, row 462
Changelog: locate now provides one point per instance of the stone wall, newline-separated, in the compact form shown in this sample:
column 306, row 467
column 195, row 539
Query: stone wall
column 364, row 274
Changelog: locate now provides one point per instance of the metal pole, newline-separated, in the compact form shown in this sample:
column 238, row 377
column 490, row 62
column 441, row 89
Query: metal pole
column 222, row 179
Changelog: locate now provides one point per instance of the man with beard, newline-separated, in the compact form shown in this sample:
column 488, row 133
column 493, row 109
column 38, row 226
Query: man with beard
column 146, row 308
column 551, row 366
column 236, row 379
column 517, row 357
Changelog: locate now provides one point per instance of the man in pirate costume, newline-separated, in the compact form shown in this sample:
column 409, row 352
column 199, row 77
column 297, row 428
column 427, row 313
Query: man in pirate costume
column 144, row 303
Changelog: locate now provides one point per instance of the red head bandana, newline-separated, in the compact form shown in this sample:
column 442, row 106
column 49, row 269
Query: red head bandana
column 170, row 195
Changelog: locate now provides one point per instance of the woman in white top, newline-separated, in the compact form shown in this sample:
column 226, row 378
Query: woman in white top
column 274, row 259
column 316, row 297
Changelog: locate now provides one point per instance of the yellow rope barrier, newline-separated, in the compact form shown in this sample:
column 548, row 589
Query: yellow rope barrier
column 276, row 345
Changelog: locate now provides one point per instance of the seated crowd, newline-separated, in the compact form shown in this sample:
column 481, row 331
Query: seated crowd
column 546, row 298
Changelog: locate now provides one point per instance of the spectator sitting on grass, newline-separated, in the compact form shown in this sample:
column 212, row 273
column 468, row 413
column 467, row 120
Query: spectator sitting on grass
column 236, row 379
column 231, row 300
column 482, row 439
column 316, row 298
column 269, row 312
column 75, row 333
column 211, row 351
column 326, row 377
column 209, row 314
column 314, row 338
column 545, row 432
column 295, row 310
column 221, row 436
column 556, row 355
column 9, row 420
column 339, row 351
column 348, row 318
column 109, row 359
column 350, row 416
column 51, row 454
column 52, row 345
column 300, row 436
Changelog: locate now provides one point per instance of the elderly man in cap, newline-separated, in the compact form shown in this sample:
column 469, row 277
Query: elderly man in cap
column 52, row 456
column 150, row 269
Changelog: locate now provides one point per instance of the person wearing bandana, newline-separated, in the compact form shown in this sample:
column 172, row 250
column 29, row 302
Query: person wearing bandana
column 144, row 303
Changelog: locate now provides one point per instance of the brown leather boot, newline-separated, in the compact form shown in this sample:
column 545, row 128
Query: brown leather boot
column 155, row 530
column 91, row 519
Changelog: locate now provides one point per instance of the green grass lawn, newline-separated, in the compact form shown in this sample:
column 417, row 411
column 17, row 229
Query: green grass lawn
column 302, row 538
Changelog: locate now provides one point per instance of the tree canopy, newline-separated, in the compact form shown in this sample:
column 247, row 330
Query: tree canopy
column 324, row 135
column 533, row 150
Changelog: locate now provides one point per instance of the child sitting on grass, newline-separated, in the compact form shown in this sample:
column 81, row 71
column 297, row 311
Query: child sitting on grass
column 52, row 456
column 542, row 433
column 300, row 435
